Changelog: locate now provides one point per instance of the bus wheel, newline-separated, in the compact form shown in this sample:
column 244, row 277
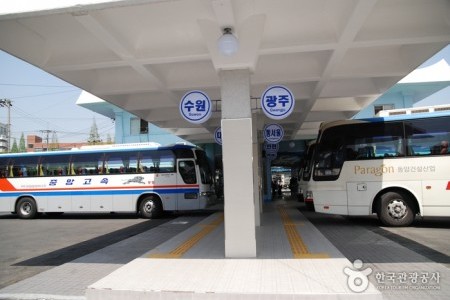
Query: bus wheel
column 150, row 207
column 395, row 209
column 26, row 208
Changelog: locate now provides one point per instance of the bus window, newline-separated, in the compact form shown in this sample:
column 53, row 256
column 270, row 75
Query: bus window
column 162, row 161
column 187, row 171
column 57, row 165
column 427, row 136
column 4, row 168
column 28, row 166
column 376, row 140
column 364, row 141
column 121, row 162
column 85, row 163
column 329, row 154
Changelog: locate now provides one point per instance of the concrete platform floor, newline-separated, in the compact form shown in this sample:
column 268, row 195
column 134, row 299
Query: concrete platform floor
column 294, row 261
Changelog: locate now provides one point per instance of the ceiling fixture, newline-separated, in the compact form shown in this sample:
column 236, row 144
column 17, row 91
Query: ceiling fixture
column 228, row 43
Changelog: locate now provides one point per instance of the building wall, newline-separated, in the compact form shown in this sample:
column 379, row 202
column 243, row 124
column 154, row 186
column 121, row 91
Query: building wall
column 402, row 95
column 3, row 137
column 125, row 134
column 35, row 144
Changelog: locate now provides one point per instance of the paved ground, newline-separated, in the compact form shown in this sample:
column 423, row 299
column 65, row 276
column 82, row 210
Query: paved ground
column 429, row 237
column 69, row 280
column 395, row 255
column 423, row 248
column 29, row 247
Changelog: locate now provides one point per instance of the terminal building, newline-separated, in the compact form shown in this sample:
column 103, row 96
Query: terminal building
column 254, row 71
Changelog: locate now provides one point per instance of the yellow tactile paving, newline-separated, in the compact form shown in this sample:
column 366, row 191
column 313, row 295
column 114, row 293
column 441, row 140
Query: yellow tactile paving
column 298, row 247
column 190, row 242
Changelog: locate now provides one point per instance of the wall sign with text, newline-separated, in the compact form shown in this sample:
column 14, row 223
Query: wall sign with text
column 271, row 148
column 218, row 135
column 277, row 102
column 273, row 133
column 195, row 107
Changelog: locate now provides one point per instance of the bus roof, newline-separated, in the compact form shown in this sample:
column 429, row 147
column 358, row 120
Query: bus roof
column 418, row 114
column 415, row 114
column 414, row 110
column 117, row 148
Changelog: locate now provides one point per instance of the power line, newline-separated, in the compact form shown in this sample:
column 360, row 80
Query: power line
column 46, row 94
column 7, row 103
column 36, row 85
column 47, row 132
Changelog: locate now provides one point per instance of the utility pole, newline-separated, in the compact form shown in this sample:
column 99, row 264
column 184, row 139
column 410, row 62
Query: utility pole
column 7, row 103
column 47, row 132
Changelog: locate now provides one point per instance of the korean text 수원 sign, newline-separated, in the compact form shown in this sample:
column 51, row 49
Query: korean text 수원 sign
column 195, row 107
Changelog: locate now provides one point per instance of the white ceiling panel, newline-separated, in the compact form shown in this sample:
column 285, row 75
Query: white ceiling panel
column 144, row 55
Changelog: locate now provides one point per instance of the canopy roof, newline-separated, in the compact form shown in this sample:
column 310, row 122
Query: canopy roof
column 143, row 56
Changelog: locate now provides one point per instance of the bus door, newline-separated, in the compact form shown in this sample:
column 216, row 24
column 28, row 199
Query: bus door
column 187, row 182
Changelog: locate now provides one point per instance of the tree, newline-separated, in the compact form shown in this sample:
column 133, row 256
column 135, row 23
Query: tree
column 14, row 148
column 22, row 147
column 94, row 137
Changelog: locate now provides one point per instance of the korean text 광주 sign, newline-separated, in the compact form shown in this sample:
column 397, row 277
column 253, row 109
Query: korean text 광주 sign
column 277, row 102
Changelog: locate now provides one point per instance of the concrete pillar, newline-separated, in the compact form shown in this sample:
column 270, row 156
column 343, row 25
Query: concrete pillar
column 256, row 172
column 118, row 127
column 237, row 148
column 408, row 99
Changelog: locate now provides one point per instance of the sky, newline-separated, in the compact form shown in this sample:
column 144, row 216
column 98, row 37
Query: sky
column 42, row 102
column 439, row 64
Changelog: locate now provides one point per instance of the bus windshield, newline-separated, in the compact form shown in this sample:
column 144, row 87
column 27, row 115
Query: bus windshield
column 306, row 172
column 205, row 171
column 358, row 141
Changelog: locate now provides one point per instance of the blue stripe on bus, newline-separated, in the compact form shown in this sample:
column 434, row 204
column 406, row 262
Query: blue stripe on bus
column 100, row 192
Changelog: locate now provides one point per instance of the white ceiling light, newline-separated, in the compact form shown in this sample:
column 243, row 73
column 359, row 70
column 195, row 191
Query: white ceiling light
column 228, row 43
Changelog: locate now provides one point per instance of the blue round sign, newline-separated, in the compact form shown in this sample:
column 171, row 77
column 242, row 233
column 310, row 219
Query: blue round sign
column 273, row 133
column 271, row 156
column 271, row 148
column 195, row 107
column 277, row 102
column 218, row 135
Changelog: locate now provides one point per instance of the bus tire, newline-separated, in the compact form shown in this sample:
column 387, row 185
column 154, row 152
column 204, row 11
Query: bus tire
column 26, row 208
column 395, row 209
column 150, row 207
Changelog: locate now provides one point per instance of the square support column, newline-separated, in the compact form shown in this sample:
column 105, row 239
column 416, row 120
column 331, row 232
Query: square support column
column 256, row 172
column 237, row 149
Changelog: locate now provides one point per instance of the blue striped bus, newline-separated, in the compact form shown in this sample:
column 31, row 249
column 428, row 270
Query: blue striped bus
column 142, row 178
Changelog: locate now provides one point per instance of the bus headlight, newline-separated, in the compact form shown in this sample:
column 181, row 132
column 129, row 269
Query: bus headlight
column 309, row 196
column 206, row 194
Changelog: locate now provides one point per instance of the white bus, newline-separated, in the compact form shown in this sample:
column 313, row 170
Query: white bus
column 305, row 176
column 143, row 179
column 396, row 167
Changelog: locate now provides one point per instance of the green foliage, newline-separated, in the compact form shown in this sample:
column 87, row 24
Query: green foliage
column 22, row 146
column 14, row 148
